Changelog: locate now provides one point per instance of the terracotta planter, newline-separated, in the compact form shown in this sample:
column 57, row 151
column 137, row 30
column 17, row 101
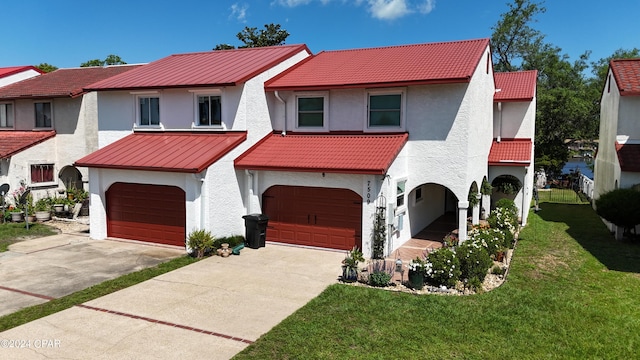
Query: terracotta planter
column 416, row 279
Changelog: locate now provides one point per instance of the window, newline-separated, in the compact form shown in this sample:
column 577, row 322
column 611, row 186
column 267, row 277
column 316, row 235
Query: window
column 43, row 114
column 209, row 110
column 400, row 185
column 311, row 111
column 41, row 173
column 385, row 110
column 149, row 111
column 6, row 115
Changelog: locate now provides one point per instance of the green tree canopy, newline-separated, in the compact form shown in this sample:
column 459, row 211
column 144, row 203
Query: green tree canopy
column 109, row 60
column 271, row 35
column 46, row 67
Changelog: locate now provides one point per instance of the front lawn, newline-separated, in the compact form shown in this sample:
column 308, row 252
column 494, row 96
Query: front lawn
column 14, row 232
column 572, row 292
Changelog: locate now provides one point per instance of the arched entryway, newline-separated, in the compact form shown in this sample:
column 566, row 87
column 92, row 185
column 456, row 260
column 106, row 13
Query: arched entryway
column 433, row 211
column 313, row 216
column 71, row 178
column 505, row 187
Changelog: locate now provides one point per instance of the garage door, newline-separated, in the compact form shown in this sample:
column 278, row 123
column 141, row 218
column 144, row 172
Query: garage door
column 152, row 213
column 322, row 217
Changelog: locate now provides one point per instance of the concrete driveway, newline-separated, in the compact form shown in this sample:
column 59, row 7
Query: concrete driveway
column 38, row 270
column 211, row 309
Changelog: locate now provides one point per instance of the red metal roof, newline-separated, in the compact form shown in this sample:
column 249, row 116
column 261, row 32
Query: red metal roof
column 61, row 82
column 13, row 142
column 515, row 86
column 211, row 68
column 7, row 71
column 627, row 75
column 444, row 62
column 187, row 152
column 628, row 156
column 510, row 152
column 347, row 154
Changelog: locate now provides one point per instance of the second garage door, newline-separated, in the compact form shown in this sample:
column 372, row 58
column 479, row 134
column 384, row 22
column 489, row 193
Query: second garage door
column 145, row 212
column 314, row 216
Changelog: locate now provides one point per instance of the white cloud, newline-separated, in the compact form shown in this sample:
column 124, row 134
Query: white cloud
column 427, row 6
column 239, row 12
column 388, row 9
column 292, row 3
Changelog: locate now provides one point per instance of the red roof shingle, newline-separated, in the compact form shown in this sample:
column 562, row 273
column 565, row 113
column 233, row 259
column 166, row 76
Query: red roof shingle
column 13, row 142
column 187, row 152
column 7, row 71
column 347, row 154
column 211, row 68
column 61, row 83
column 510, row 152
column 444, row 62
column 627, row 75
column 515, row 86
column 628, row 156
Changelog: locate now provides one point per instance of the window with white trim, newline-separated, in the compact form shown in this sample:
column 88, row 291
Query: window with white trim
column 311, row 111
column 400, row 193
column 6, row 115
column 42, row 174
column 209, row 110
column 385, row 110
column 43, row 114
column 148, row 110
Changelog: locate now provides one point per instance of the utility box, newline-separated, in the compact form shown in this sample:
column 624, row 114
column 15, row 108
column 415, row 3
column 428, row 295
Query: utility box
column 255, row 230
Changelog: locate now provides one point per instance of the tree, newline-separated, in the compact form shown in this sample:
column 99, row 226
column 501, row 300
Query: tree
column 271, row 35
column 47, row 67
column 109, row 60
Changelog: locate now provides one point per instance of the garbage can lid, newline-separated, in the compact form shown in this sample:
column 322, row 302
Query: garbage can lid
column 256, row 217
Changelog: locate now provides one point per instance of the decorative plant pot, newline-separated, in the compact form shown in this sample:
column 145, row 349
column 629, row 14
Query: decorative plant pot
column 416, row 279
column 31, row 218
column 224, row 251
column 500, row 256
column 58, row 208
column 17, row 216
column 43, row 215
column 349, row 274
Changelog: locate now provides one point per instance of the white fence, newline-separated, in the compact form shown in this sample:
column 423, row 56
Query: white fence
column 585, row 185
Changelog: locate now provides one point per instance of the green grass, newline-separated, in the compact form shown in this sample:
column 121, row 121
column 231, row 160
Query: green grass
column 13, row 232
column 37, row 311
column 572, row 293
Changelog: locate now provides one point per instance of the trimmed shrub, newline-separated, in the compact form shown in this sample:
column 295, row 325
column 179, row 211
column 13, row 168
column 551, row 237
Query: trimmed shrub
column 233, row 241
column 504, row 216
column 621, row 207
column 443, row 268
column 491, row 239
column 474, row 260
column 381, row 274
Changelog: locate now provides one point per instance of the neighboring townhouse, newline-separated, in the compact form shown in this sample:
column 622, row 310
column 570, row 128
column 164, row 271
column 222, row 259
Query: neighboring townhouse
column 617, row 162
column 9, row 75
column 168, row 134
column 406, row 128
column 47, row 122
column 512, row 151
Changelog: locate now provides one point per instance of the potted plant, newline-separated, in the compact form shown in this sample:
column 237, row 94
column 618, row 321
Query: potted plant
column 43, row 209
column 350, row 264
column 16, row 213
column 417, row 269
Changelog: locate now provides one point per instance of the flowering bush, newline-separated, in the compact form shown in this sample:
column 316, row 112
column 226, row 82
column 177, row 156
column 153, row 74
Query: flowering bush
column 504, row 216
column 450, row 240
column 474, row 260
column 443, row 267
column 493, row 240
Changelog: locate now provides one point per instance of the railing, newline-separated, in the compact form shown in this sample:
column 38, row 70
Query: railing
column 585, row 185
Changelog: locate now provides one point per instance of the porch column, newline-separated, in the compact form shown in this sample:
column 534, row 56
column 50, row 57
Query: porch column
column 475, row 212
column 486, row 206
column 463, row 206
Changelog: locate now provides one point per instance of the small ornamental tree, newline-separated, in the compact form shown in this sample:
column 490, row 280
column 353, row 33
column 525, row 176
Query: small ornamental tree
column 621, row 207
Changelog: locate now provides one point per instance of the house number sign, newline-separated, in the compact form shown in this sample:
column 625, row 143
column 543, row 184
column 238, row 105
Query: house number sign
column 368, row 192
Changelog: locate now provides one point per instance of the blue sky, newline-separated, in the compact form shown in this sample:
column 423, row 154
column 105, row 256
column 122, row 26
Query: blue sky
column 66, row 33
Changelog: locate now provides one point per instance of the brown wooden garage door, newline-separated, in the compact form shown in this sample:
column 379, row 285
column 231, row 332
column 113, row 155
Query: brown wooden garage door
column 322, row 217
column 152, row 213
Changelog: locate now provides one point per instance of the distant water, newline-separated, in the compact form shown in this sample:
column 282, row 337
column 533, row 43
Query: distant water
column 579, row 164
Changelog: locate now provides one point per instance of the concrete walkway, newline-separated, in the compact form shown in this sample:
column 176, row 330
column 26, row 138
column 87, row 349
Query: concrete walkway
column 208, row 310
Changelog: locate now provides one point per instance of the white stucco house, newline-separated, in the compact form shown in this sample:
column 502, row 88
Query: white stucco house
column 46, row 123
column 168, row 133
column 617, row 162
column 315, row 142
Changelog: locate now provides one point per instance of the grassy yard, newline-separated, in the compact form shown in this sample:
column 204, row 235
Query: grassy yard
column 573, row 292
column 14, row 232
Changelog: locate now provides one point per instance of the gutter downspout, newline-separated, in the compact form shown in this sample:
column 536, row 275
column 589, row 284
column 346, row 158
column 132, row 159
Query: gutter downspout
column 499, row 122
column 284, row 122
column 249, row 189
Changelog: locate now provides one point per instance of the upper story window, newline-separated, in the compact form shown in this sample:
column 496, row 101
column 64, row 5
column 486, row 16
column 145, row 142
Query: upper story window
column 148, row 110
column 400, row 193
column 42, row 174
column 311, row 111
column 209, row 110
column 385, row 110
column 6, row 115
column 43, row 114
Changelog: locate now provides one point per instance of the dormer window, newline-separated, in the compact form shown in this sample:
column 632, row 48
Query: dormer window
column 209, row 110
column 6, row 115
column 43, row 114
column 148, row 110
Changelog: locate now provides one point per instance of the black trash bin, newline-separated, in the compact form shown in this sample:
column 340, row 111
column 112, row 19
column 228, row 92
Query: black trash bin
column 255, row 230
